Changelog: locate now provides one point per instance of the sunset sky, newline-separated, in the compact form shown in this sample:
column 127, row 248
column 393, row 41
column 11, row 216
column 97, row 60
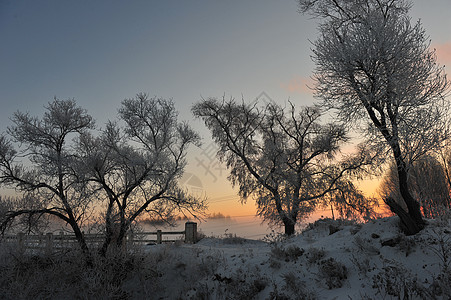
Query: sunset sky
column 100, row 52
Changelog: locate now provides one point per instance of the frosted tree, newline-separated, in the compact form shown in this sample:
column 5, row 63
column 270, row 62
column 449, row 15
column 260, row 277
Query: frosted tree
column 283, row 158
column 136, row 165
column 37, row 157
column 428, row 184
column 375, row 69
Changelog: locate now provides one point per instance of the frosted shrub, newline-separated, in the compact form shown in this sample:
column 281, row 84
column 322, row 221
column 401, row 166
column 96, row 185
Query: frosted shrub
column 394, row 280
column 440, row 244
column 365, row 245
column 230, row 238
column 297, row 287
column 314, row 255
column 334, row 273
column 248, row 288
column 362, row 264
column 291, row 253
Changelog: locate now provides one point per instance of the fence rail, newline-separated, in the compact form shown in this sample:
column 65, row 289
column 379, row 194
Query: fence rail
column 50, row 242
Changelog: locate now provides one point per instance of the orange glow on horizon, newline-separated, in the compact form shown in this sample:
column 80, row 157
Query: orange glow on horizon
column 369, row 187
column 230, row 204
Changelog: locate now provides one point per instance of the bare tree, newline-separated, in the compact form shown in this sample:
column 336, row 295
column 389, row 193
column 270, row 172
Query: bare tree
column 44, row 166
column 282, row 158
column 137, row 166
column 373, row 65
column 428, row 185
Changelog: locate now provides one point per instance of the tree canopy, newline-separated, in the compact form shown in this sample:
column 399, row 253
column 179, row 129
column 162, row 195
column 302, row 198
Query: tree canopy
column 375, row 69
column 282, row 157
column 66, row 169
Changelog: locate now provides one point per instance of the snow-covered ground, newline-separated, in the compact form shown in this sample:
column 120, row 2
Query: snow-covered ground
column 330, row 260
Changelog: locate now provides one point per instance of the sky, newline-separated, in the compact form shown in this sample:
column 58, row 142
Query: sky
column 101, row 52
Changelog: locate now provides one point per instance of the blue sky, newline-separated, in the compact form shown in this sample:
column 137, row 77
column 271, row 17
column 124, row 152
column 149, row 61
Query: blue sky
column 100, row 52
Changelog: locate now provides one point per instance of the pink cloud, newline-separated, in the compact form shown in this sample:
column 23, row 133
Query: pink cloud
column 443, row 52
column 299, row 84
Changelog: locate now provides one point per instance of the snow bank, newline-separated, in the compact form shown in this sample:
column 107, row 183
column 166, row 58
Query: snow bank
column 329, row 260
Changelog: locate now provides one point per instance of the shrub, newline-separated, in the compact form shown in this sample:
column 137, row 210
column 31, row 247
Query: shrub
column 440, row 285
column 64, row 275
column 274, row 237
column 248, row 289
column 407, row 245
column 200, row 235
column 297, row 287
column 242, row 284
column 396, row 281
column 362, row 264
column 274, row 264
column 332, row 225
column 334, row 273
column 440, row 244
column 291, row 253
column 356, row 228
column 366, row 246
column 208, row 265
column 314, row 255
column 232, row 239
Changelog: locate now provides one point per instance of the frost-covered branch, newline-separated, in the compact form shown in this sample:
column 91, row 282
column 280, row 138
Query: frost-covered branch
column 373, row 65
column 283, row 158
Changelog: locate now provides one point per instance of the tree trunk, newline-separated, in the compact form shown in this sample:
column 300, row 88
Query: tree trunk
column 123, row 228
column 109, row 230
column 289, row 226
column 413, row 206
column 408, row 224
column 121, row 237
column 82, row 243
column 289, row 229
column 108, row 238
column 412, row 220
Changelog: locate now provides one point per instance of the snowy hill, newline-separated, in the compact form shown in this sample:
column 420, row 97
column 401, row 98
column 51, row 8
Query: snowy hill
column 330, row 260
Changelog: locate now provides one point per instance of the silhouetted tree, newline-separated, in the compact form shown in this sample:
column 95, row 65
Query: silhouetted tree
column 428, row 185
column 284, row 158
column 37, row 157
column 137, row 165
column 376, row 70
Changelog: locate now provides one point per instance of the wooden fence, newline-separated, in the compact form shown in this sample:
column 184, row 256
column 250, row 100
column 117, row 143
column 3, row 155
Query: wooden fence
column 50, row 242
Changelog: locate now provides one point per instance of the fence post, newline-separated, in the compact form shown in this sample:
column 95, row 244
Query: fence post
column 159, row 236
column 49, row 243
column 191, row 232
